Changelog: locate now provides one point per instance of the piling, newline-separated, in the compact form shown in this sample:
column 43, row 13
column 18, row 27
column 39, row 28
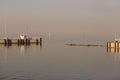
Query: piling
column 41, row 41
column 7, row 42
column 37, row 41
column 21, row 42
column 108, row 44
column 27, row 41
column 18, row 41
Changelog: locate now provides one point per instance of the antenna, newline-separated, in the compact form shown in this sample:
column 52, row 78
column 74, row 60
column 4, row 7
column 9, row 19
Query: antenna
column 27, row 29
column 49, row 35
column 5, row 31
column 115, row 35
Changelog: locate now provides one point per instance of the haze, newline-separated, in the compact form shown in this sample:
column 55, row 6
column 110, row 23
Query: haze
column 90, row 20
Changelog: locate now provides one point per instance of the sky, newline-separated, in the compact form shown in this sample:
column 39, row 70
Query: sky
column 66, row 20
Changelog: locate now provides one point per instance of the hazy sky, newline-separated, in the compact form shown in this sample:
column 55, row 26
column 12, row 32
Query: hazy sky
column 93, row 19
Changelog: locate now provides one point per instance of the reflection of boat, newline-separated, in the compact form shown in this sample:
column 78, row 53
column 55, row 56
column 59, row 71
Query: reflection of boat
column 22, row 39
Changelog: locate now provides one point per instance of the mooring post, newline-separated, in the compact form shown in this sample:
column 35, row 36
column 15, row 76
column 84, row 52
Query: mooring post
column 18, row 42
column 23, row 42
column 9, row 42
column 27, row 41
column 5, row 41
column 109, row 44
column 40, row 41
column 37, row 42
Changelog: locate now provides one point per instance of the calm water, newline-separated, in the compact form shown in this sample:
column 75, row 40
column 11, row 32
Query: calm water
column 58, row 62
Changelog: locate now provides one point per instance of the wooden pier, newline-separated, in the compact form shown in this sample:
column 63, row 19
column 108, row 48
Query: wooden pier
column 21, row 41
column 113, row 47
column 115, row 44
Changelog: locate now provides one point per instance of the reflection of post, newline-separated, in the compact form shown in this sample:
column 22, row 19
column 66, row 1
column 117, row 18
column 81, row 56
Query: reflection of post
column 115, row 53
column 22, row 50
column 113, row 50
column 108, row 50
column 40, row 41
column 5, row 55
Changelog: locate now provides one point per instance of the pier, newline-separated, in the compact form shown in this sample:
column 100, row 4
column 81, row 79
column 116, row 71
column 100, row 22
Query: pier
column 22, row 40
column 115, row 44
column 113, row 47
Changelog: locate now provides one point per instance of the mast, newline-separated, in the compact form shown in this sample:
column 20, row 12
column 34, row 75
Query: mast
column 49, row 35
column 27, row 30
column 5, row 31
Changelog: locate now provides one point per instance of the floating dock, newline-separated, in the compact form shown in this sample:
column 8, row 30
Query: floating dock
column 22, row 40
column 113, row 44
column 113, row 47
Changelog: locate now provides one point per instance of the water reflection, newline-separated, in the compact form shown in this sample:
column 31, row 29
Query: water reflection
column 115, row 53
column 58, row 63
column 8, row 53
column 5, row 55
column 21, row 48
column 113, row 50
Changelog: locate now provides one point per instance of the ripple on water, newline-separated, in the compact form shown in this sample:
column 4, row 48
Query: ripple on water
column 15, row 77
column 4, row 76
column 41, row 76
column 62, row 77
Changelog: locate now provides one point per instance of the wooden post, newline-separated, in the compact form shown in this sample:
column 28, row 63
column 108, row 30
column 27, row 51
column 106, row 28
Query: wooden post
column 19, row 41
column 40, row 41
column 23, row 42
column 109, row 44
column 27, row 41
column 37, row 41
column 9, row 42
column 5, row 41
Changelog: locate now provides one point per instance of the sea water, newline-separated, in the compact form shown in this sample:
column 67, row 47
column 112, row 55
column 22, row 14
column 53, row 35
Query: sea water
column 58, row 62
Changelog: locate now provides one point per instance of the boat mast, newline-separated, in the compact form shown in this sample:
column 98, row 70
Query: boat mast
column 49, row 35
column 27, row 30
column 5, row 31
column 115, row 35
